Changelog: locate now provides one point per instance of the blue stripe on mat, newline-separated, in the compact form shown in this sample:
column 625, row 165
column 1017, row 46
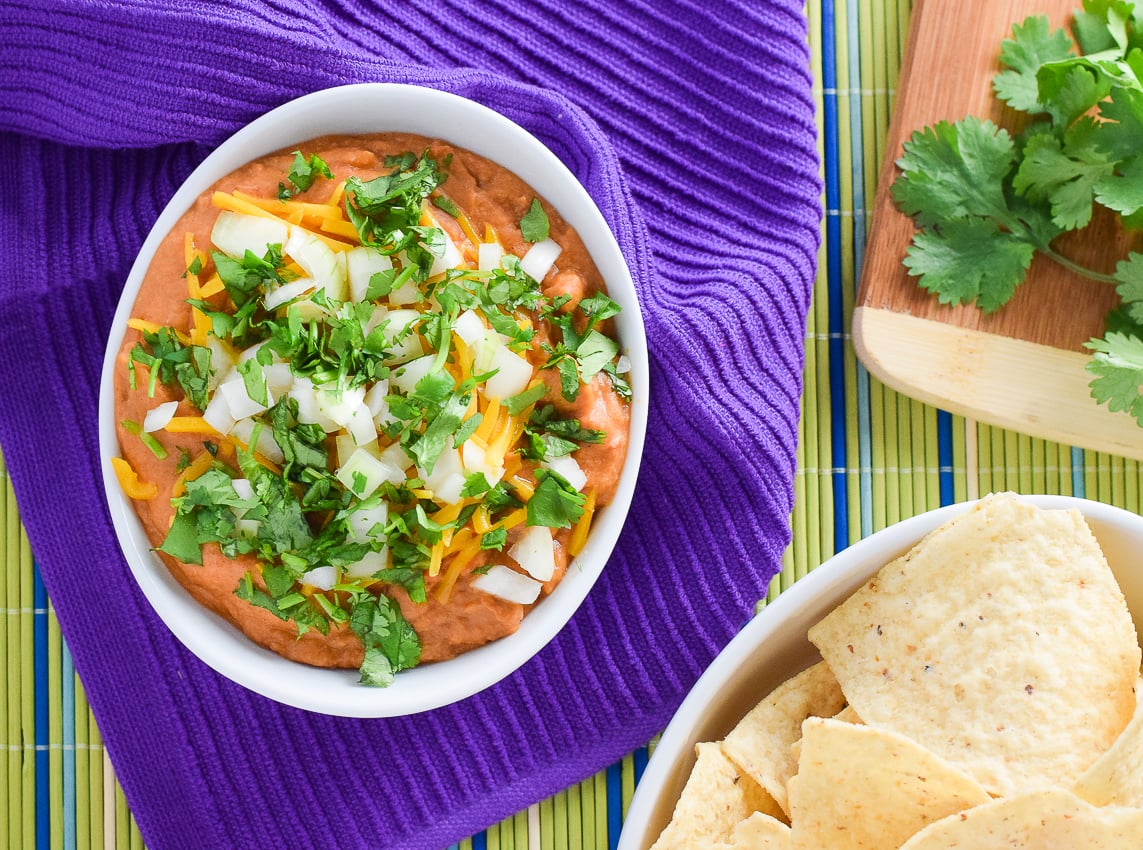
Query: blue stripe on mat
column 614, row 804
column 834, row 278
column 857, row 157
column 945, row 456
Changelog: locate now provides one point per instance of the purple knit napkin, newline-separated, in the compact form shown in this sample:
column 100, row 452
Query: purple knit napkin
column 692, row 126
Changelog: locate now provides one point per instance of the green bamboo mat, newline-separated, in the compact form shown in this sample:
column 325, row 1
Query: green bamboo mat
column 868, row 457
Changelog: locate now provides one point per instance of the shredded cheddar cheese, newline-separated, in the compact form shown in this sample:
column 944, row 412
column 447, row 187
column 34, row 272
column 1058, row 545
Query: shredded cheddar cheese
column 583, row 526
column 197, row 467
column 129, row 481
column 189, row 425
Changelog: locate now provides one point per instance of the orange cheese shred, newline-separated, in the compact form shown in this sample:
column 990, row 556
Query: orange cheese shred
column 189, row 425
column 459, row 561
column 583, row 526
column 197, row 468
column 129, row 480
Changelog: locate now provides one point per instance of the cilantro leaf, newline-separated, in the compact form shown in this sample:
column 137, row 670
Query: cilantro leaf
column 594, row 352
column 254, row 380
column 1063, row 173
column 971, row 260
column 1032, row 44
column 1129, row 285
column 303, row 172
column 517, row 403
column 951, row 171
column 1102, row 25
column 1117, row 364
column 181, row 542
column 494, row 539
column 391, row 644
column 555, row 503
column 534, row 226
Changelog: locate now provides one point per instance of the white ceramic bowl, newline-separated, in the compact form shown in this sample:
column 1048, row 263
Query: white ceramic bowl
column 773, row 646
column 370, row 108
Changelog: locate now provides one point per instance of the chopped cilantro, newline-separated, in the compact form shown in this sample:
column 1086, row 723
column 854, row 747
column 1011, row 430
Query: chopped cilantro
column 517, row 403
column 534, row 225
column 391, row 645
column 555, row 503
column 494, row 539
column 303, row 173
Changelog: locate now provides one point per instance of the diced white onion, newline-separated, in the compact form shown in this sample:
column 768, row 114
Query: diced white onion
column 339, row 405
column 535, row 552
column 397, row 457
column 221, row 361
column 569, row 468
column 514, row 373
column 275, row 298
column 247, row 527
column 363, row 521
column 236, row 233
column 484, row 350
column 469, row 327
column 369, row 564
column 410, row 346
column 473, row 457
column 376, row 400
column 346, row 446
column 372, row 471
column 318, row 261
column 239, row 402
column 406, row 293
column 540, row 259
column 362, row 263
column 448, row 463
column 623, row 364
column 360, row 426
column 158, row 417
column 449, row 490
column 488, row 256
column 405, row 377
column 305, row 394
column 279, row 378
column 267, row 446
column 217, row 414
column 508, row 584
column 450, row 260
column 323, row 578
column 243, row 488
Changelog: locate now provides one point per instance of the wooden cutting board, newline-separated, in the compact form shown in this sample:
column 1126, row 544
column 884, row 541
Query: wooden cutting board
column 1022, row 367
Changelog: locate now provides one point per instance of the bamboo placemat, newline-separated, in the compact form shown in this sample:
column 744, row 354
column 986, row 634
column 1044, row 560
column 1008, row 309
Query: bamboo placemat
column 868, row 457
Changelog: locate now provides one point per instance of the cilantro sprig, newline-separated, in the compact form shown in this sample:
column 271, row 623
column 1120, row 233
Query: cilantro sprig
column 986, row 200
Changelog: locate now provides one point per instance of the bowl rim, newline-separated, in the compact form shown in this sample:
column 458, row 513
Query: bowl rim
column 812, row 596
column 460, row 121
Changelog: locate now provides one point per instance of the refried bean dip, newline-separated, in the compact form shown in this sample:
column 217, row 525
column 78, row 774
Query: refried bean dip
column 369, row 400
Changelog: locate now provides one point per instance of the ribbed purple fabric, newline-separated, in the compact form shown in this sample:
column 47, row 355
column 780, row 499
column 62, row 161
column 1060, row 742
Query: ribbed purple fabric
column 692, row 125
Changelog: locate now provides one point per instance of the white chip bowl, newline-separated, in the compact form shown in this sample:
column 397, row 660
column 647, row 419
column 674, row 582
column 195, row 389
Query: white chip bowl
column 372, row 108
column 773, row 645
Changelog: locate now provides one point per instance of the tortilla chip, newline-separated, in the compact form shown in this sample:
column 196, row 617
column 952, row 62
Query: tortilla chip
column 760, row 743
column 760, row 831
column 716, row 798
column 862, row 788
column 1117, row 777
column 1039, row 820
column 969, row 644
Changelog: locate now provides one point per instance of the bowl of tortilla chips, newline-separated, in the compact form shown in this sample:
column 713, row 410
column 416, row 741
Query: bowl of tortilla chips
column 969, row 677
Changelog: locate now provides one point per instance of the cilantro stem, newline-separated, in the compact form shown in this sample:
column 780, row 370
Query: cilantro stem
column 1078, row 269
